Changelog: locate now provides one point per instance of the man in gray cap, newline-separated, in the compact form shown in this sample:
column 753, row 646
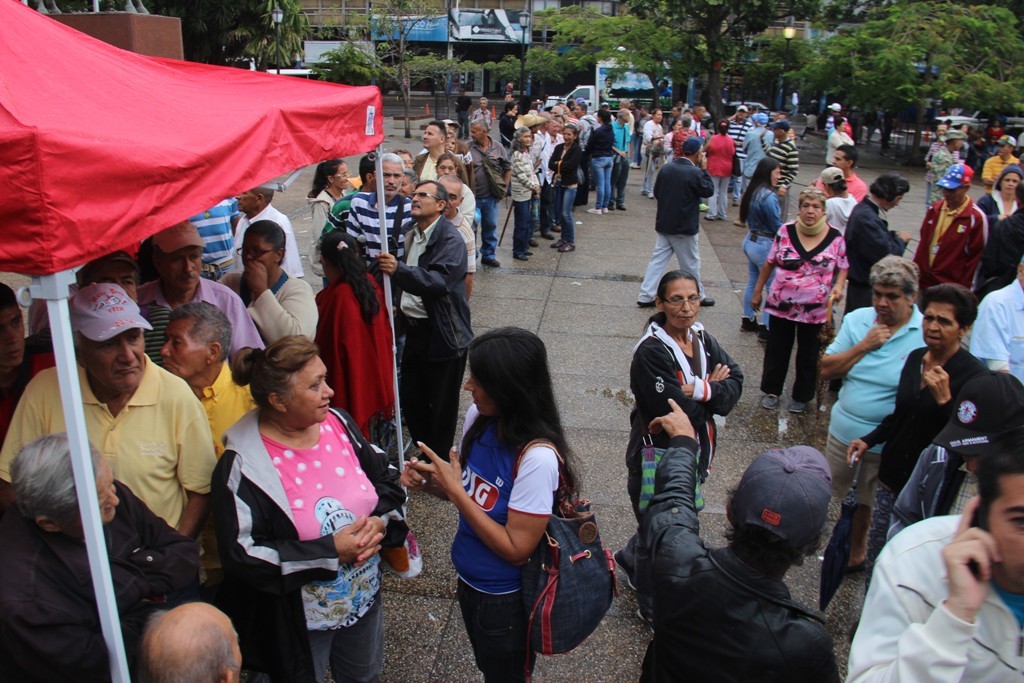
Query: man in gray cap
column 725, row 614
column 146, row 422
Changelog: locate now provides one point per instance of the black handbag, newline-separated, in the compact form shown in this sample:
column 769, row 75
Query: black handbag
column 569, row 582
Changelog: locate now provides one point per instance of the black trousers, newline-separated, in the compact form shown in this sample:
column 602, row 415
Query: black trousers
column 620, row 174
column 781, row 333
column 496, row 626
column 547, row 208
column 430, row 390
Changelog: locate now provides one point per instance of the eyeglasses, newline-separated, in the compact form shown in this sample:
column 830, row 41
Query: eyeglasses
column 679, row 301
column 253, row 253
column 421, row 195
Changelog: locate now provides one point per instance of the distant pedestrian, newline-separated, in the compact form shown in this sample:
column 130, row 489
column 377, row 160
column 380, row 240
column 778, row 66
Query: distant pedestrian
column 759, row 211
column 839, row 202
column 720, row 151
column 654, row 151
column 600, row 149
column 784, row 151
column 679, row 189
column 869, row 237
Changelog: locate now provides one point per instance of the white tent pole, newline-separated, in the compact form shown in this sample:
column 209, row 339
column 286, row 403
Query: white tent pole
column 382, row 215
column 54, row 289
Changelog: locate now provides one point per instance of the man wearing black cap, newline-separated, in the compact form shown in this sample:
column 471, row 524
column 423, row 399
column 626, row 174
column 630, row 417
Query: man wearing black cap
column 945, row 476
column 679, row 188
column 946, row 601
column 783, row 150
column 725, row 614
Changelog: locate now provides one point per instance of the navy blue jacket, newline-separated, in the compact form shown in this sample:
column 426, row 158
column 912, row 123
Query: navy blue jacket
column 679, row 189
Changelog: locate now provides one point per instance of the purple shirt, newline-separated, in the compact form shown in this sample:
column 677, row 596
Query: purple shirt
column 243, row 331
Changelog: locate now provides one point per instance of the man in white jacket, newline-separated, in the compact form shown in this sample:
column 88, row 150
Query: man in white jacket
column 946, row 601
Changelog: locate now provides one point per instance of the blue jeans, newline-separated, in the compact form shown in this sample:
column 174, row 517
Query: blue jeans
column 637, row 152
column 523, row 229
column 496, row 625
column 488, row 207
column 356, row 652
column 564, row 201
column 756, row 248
column 602, row 169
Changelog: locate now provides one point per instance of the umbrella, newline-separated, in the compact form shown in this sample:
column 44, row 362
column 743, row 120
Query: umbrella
column 825, row 336
column 837, row 554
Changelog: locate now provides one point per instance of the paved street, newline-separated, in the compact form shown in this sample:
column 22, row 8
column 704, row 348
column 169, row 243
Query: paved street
column 583, row 305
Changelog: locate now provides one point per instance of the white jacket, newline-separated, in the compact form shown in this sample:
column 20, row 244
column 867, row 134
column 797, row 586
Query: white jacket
column 905, row 632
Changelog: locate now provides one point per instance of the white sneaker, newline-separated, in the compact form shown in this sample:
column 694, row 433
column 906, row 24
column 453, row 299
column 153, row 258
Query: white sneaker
column 597, row 211
column 604, row 210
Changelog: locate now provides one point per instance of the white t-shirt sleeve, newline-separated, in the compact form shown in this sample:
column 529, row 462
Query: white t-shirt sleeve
column 468, row 422
column 533, row 491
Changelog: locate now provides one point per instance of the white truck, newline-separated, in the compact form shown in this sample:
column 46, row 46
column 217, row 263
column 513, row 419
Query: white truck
column 610, row 88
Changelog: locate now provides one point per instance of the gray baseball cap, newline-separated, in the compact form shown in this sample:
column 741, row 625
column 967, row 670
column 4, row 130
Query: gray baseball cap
column 786, row 492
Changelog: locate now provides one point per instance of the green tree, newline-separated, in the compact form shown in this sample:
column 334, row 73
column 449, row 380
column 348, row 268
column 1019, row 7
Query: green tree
column 772, row 61
column 353, row 65
column 918, row 52
column 542, row 64
column 391, row 22
column 641, row 44
column 223, row 31
column 712, row 32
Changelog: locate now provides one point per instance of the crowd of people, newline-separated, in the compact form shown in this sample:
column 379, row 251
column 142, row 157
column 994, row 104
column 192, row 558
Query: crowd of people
column 240, row 423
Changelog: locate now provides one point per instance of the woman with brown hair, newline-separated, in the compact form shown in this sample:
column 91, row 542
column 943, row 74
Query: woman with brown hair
column 302, row 505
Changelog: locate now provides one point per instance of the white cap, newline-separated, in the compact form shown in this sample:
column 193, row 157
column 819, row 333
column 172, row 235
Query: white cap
column 835, row 106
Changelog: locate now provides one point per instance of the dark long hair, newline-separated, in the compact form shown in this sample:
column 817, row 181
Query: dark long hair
column 353, row 271
column 667, row 279
column 762, row 178
column 322, row 177
column 511, row 365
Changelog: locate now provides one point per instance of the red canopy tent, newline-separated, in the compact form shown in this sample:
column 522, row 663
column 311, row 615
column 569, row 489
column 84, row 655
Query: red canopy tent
column 101, row 148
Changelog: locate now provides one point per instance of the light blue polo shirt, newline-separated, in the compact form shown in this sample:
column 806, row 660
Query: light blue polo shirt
column 869, row 390
column 999, row 331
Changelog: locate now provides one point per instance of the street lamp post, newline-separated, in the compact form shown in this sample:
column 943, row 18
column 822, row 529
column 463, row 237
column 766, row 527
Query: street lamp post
column 277, row 14
column 788, row 33
column 524, row 23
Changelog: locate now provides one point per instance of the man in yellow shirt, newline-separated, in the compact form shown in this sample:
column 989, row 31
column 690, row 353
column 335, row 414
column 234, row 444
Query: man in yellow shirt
column 1005, row 147
column 198, row 341
column 145, row 422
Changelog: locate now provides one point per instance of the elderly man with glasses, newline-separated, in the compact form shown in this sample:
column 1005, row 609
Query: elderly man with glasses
column 435, row 310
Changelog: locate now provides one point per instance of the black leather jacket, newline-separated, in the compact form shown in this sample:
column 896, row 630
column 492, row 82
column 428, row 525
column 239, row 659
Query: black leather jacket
column 716, row 618
column 440, row 280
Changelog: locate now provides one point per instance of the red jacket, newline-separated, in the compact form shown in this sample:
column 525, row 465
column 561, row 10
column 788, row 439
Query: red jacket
column 959, row 249
column 358, row 356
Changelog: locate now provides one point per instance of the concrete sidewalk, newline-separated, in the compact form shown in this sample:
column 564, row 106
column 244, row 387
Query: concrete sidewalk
column 583, row 304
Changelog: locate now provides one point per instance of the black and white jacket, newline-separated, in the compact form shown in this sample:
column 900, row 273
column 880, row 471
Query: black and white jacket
column 265, row 563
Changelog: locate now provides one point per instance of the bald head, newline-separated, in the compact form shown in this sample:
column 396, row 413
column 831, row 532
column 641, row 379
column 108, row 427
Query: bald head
column 193, row 643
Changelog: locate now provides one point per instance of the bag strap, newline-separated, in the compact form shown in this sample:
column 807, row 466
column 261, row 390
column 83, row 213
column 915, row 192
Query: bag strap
column 561, row 464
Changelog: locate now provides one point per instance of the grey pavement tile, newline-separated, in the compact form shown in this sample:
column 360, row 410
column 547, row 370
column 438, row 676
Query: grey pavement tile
column 601, row 454
column 593, row 356
column 593, row 319
column 592, row 402
column 594, row 291
column 453, row 659
column 613, row 653
column 500, row 312
column 515, row 285
column 603, row 264
column 434, row 522
column 413, row 624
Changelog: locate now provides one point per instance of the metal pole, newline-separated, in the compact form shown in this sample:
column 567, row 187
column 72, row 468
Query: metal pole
column 782, row 79
column 382, row 217
column 522, row 67
column 277, row 43
column 54, row 289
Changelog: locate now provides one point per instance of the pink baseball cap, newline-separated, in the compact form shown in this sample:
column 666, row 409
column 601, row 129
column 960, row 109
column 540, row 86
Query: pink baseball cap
column 103, row 311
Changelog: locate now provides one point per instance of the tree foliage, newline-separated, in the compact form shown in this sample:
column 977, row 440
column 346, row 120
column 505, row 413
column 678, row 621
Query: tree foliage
column 542, row 64
column 913, row 52
column 223, row 31
column 351, row 64
column 641, row 44
column 712, row 32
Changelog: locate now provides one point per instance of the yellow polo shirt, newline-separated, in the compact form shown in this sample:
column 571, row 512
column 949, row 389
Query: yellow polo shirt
column 225, row 402
column 159, row 445
column 994, row 165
